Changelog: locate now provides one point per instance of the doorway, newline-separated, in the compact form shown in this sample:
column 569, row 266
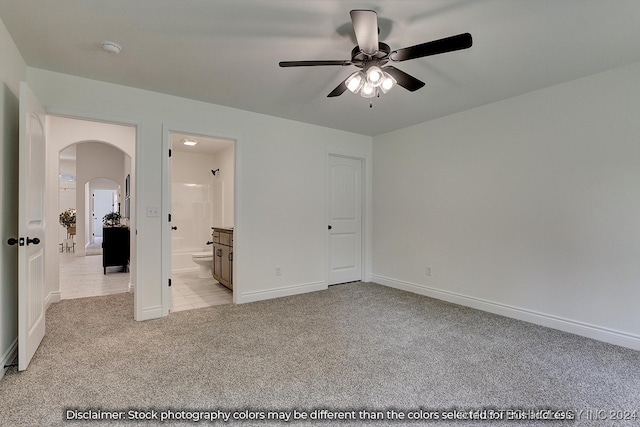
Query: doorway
column 345, row 215
column 103, row 202
column 95, row 165
column 202, row 173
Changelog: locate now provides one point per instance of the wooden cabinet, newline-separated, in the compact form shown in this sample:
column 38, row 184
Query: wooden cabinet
column 115, row 247
column 223, row 256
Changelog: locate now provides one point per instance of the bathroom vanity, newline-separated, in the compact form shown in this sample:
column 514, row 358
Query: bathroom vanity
column 223, row 256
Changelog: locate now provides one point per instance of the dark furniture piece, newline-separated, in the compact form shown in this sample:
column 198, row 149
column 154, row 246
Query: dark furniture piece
column 223, row 256
column 115, row 247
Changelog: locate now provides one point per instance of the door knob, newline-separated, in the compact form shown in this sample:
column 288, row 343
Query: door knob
column 12, row 241
column 174, row 228
column 330, row 227
column 35, row 241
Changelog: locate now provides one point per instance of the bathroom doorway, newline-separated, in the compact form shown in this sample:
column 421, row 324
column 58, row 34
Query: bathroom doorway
column 202, row 172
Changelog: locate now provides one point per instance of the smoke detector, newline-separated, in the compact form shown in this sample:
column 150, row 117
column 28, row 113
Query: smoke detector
column 111, row 47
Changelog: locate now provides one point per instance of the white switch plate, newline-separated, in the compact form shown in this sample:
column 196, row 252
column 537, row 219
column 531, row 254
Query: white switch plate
column 153, row 211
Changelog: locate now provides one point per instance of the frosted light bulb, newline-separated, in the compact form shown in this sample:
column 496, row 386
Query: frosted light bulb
column 374, row 76
column 387, row 83
column 368, row 91
column 355, row 81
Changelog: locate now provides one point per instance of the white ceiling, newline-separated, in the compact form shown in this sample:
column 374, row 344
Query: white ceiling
column 227, row 51
column 205, row 145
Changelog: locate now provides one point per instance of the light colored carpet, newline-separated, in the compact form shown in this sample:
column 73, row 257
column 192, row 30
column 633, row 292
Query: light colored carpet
column 353, row 347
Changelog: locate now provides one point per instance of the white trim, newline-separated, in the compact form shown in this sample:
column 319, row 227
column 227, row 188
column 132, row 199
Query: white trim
column 280, row 292
column 185, row 270
column 53, row 297
column 89, row 116
column 9, row 356
column 595, row 332
column 165, row 233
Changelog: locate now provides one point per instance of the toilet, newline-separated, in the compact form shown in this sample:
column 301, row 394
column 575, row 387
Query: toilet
column 205, row 261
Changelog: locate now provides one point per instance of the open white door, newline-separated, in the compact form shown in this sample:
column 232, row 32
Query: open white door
column 345, row 219
column 30, row 226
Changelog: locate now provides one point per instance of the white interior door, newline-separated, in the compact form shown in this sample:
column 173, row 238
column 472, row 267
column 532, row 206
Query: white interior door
column 102, row 205
column 345, row 219
column 31, row 184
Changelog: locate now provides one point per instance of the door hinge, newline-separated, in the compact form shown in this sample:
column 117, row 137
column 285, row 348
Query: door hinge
column 169, row 152
column 169, row 282
column 169, row 217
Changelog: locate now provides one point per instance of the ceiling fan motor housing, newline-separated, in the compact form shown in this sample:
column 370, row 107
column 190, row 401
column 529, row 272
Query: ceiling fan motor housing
column 363, row 60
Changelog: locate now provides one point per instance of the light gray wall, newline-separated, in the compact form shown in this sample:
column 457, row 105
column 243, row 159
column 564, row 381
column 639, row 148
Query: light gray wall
column 12, row 71
column 280, row 186
column 528, row 207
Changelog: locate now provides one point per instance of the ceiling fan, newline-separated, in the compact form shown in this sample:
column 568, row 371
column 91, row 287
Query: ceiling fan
column 372, row 57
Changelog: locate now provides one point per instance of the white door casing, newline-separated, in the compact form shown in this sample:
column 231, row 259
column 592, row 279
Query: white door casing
column 345, row 216
column 167, row 292
column 31, row 314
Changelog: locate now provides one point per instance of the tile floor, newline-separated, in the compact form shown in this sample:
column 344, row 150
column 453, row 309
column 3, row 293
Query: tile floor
column 190, row 292
column 82, row 277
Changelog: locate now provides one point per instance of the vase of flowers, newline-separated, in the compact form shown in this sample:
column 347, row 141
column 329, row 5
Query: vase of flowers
column 112, row 219
column 68, row 221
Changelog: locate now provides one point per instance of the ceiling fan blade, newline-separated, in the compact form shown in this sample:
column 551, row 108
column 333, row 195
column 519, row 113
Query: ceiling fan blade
column 365, row 25
column 405, row 80
column 339, row 90
column 449, row 44
column 313, row 63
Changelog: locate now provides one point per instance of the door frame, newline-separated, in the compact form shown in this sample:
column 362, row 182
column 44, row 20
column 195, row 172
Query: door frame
column 367, row 197
column 165, row 207
column 51, row 251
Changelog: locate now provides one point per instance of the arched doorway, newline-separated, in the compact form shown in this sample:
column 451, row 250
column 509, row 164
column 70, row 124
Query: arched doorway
column 95, row 166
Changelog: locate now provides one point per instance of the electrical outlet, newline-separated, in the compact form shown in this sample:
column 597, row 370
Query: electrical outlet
column 428, row 270
column 278, row 271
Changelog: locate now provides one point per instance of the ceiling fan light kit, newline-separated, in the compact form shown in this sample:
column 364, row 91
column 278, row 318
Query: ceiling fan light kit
column 372, row 57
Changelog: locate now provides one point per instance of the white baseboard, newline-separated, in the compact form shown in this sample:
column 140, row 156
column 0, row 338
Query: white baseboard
column 132, row 287
column 280, row 292
column 185, row 270
column 595, row 332
column 53, row 297
column 9, row 356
